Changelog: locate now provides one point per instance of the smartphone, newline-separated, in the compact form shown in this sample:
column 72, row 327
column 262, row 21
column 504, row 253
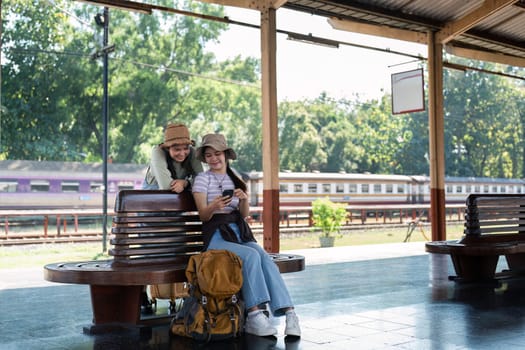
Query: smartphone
column 228, row 193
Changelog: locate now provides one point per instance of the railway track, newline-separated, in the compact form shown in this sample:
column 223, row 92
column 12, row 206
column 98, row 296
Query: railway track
column 14, row 239
column 24, row 227
column 26, row 239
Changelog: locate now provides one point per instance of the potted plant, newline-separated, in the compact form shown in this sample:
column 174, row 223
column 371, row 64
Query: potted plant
column 329, row 217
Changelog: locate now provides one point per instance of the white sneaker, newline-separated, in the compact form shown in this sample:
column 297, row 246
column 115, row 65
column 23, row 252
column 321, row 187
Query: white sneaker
column 292, row 324
column 257, row 323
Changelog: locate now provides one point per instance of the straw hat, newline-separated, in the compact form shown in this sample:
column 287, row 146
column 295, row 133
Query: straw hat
column 176, row 134
column 218, row 143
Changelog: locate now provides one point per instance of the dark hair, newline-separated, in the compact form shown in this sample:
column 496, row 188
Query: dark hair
column 186, row 163
column 237, row 181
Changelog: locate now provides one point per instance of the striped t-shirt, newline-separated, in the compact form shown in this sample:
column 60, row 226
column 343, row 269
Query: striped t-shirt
column 212, row 185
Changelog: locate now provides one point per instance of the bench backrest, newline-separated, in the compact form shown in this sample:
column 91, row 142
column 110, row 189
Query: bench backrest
column 154, row 227
column 493, row 213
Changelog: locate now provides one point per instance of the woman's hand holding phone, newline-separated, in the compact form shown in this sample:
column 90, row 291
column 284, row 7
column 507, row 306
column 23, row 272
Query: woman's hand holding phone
column 227, row 193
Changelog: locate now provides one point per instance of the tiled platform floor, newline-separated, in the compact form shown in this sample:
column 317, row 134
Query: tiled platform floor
column 392, row 296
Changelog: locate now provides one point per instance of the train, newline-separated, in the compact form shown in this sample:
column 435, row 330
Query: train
column 75, row 185
column 63, row 185
column 374, row 189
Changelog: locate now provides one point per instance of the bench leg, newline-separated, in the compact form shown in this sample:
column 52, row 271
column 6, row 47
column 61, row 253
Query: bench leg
column 114, row 307
column 475, row 268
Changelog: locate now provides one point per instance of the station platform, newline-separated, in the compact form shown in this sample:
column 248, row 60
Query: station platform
column 388, row 296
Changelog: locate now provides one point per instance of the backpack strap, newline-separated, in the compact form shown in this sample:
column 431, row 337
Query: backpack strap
column 207, row 319
column 235, row 308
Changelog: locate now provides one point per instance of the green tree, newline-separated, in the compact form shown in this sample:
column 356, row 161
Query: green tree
column 317, row 135
column 51, row 83
column 380, row 133
column 299, row 142
column 231, row 105
column 153, row 71
column 483, row 129
column 412, row 152
column 34, row 39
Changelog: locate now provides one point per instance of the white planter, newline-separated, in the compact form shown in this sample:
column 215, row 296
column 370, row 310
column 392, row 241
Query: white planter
column 326, row 241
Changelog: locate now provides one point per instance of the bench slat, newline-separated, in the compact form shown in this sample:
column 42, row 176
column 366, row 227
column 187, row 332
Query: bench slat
column 153, row 201
column 156, row 229
column 158, row 250
column 138, row 262
column 148, row 220
column 495, row 221
column 499, row 229
column 172, row 239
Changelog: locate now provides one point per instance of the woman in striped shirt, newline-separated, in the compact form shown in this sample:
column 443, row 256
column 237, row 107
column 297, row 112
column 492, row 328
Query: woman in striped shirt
column 224, row 227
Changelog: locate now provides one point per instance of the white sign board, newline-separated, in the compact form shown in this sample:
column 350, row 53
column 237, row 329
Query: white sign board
column 408, row 92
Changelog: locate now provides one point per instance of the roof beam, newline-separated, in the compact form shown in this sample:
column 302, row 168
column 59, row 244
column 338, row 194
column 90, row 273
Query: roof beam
column 249, row 4
column 123, row 4
column 485, row 56
column 461, row 25
column 378, row 30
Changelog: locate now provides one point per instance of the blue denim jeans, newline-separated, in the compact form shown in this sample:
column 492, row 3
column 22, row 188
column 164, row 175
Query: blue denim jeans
column 262, row 281
column 147, row 186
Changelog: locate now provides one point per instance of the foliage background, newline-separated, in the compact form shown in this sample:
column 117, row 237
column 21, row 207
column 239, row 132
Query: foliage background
column 51, row 99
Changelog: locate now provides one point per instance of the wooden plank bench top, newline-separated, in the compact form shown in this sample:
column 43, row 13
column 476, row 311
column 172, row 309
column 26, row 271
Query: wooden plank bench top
column 154, row 234
column 96, row 271
column 494, row 227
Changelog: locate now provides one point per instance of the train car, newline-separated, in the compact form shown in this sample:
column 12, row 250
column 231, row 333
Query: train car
column 57, row 185
column 300, row 188
column 458, row 188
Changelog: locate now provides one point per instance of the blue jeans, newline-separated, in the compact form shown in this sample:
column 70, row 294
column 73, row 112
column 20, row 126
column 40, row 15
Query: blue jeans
column 147, row 186
column 262, row 281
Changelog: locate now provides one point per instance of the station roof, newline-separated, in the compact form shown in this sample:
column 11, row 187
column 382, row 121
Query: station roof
column 485, row 30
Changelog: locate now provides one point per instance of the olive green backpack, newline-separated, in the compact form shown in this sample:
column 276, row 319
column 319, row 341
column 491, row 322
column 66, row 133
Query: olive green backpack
column 214, row 309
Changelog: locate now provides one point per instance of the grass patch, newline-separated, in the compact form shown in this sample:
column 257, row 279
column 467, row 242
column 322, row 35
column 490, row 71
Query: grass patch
column 379, row 235
column 42, row 254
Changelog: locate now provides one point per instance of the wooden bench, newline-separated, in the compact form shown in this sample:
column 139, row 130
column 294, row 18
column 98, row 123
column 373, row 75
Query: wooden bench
column 153, row 235
column 494, row 227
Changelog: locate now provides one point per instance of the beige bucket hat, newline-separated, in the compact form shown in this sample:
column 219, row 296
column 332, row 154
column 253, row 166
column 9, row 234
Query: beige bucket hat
column 176, row 134
column 217, row 142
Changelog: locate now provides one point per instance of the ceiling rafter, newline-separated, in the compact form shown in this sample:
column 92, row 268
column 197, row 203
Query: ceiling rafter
column 485, row 56
column 249, row 4
column 461, row 25
column 378, row 30
column 123, row 4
